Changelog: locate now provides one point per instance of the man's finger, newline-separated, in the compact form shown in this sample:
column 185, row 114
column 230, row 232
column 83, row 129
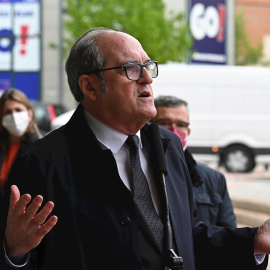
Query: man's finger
column 17, row 203
column 14, row 197
column 33, row 207
column 47, row 226
column 43, row 214
column 20, row 205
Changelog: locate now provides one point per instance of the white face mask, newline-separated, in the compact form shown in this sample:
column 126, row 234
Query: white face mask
column 16, row 123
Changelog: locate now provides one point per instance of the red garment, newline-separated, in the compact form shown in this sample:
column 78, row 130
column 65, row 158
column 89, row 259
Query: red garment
column 8, row 161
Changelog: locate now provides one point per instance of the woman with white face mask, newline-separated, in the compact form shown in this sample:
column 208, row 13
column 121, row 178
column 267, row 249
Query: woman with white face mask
column 18, row 129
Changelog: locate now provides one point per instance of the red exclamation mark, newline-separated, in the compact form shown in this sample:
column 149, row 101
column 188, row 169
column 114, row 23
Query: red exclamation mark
column 24, row 30
column 220, row 35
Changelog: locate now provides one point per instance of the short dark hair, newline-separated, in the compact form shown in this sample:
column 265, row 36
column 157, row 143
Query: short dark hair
column 84, row 57
column 169, row 101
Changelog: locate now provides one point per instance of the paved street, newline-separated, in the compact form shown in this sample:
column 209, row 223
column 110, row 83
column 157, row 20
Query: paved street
column 254, row 185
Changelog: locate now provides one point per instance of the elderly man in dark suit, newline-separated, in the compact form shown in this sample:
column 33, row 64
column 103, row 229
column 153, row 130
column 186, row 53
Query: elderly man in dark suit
column 82, row 171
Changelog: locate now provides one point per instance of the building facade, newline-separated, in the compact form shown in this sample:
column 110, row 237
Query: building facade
column 256, row 15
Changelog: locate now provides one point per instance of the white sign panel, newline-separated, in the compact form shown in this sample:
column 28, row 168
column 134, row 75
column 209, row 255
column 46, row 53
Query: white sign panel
column 27, row 56
column 26, row 14
column 19, row 35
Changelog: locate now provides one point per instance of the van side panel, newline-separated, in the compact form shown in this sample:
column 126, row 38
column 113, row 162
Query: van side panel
column 229, row 105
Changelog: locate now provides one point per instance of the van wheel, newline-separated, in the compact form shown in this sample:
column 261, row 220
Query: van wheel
column 238, row 158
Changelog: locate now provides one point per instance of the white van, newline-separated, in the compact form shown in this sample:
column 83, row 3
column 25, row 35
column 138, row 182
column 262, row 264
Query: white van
column 229, row 111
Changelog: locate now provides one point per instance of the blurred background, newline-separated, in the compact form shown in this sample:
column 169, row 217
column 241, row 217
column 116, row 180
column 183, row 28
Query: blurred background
column 35, row 37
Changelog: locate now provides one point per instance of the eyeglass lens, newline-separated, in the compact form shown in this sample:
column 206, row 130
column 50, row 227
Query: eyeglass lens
column 134, row 70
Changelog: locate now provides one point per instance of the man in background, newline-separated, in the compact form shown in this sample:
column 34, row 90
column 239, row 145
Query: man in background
column 210, row 190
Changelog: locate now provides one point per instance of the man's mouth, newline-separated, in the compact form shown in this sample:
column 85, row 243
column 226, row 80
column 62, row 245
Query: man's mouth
column 144, row 94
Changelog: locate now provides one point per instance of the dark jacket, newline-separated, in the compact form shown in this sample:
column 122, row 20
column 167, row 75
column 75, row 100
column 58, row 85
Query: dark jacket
column 98, row 226
column 213, row 202
column 29, row 140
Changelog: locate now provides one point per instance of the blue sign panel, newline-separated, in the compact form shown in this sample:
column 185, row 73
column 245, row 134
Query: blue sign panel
column 5, row 80
column 207, row 20
column 28, row 82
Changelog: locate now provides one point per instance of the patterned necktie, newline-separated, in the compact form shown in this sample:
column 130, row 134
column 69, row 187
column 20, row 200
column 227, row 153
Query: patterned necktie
column 141, row 192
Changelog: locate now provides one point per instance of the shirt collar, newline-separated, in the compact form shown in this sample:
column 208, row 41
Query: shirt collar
column 114, row 141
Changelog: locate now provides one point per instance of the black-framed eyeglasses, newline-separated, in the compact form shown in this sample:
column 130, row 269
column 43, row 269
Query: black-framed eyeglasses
column 134, row 70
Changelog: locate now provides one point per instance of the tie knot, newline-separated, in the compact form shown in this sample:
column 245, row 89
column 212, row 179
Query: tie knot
column 133, row 141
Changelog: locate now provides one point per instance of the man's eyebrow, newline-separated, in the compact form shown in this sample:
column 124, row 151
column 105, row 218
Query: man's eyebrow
column 131, row 62
column 136, row 62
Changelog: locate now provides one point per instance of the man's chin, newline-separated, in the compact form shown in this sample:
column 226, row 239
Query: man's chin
column 150, row 115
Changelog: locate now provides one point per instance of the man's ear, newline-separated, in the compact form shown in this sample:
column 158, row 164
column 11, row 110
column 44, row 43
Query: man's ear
column 87, row 85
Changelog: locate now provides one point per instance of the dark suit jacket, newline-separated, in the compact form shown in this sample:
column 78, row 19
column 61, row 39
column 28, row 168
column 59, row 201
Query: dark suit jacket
column 99, row 226
column 213, row 202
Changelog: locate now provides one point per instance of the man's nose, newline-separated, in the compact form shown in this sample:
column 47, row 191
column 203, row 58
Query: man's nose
column 146, row 76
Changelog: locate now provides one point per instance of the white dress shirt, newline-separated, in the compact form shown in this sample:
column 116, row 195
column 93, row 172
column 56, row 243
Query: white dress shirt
column 114, row 140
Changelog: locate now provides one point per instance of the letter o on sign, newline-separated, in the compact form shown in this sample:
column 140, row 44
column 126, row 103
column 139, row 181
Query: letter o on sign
column 204, row 22
column 6, row 40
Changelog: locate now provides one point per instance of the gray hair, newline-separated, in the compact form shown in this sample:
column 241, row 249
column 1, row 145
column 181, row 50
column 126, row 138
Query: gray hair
column 169, row 101
column 85, row 57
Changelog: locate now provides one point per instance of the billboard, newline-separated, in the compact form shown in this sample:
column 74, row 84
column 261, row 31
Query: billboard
column 20, row 46
column 207, row 20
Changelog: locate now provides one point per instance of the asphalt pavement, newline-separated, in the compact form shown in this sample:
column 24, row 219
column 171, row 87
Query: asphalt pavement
column 254, row 185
